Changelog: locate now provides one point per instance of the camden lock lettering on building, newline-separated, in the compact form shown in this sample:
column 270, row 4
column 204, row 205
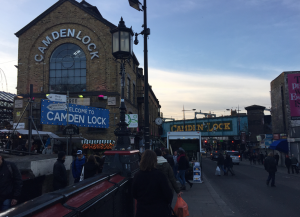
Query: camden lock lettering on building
column 66, row 33
column 204, row 127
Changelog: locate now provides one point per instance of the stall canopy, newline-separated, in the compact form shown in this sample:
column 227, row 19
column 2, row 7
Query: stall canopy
column 34, row 132
column 280, row 145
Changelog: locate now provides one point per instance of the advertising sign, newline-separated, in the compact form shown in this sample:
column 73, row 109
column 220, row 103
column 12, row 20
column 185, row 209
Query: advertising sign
column 81, row 116
column 294, row 95
column 131, row 120
column 204, row 127
column 57, row 97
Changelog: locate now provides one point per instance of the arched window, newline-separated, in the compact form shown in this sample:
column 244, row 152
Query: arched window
column 67, row 69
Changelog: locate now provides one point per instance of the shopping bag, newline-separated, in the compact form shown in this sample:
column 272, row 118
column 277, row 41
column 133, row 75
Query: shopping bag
column 218, row 172
column 181, row 208
column 82, row 174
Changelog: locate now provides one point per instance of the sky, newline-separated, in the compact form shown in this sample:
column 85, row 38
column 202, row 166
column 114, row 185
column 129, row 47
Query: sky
column 208, row 55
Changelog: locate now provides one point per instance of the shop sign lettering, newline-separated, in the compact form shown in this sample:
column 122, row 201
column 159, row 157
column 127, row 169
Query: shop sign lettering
column 66, row 33
column 204, row 127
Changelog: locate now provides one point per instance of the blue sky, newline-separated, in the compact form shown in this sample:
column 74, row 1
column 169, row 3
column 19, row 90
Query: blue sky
column 210, row 55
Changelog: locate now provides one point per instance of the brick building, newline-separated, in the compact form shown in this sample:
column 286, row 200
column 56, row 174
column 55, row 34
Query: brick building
column 69, row 48
column 286, row 109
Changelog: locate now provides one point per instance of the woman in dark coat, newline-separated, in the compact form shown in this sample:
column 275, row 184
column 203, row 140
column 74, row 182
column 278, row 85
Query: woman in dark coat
column 91, row 167
column 229, row 165
column 151, row 189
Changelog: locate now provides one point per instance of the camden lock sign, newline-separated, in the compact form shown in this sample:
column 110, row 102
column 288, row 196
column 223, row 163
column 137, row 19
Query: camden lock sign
column 216, row 126
column 66, row 33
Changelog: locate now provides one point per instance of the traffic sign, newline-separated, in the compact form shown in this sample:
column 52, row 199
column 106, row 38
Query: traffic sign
column 57, row 97
column 57, row 107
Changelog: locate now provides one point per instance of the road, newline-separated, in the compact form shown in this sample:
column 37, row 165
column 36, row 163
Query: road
column 248, row 195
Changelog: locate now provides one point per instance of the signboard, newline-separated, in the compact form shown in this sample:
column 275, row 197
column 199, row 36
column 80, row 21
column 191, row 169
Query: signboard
column 20, row 126
column 204, row 127
column 80, row 101
column 283, row 136
column 276, row 136
column 57, row 97
column 81, row 116
column 98, row 144
column 111, row 101
column 131, row 120
column 71, row 130
column 294, row 95
column 18, row 103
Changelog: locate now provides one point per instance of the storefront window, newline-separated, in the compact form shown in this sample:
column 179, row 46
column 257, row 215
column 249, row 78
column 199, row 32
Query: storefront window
column 67, row 69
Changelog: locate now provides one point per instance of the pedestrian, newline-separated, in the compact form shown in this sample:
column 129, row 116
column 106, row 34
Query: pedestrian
column 276, row 158
column 221, row 162
column 77, row 166
column 165, row 168
column 288, row 163
column 60, row 177
column 294, row 164
column 251, row 159
column 175, row 167
column 91, row 167
column 254, row 158
column 182, row 166
column 262, row 157
column 168, row 157
column 271, row 167
column 100, row 158
column 47, row 150
column 10, row 184
column 151, row 189
column 187, row 172
column 229, row 165
column 258, row 159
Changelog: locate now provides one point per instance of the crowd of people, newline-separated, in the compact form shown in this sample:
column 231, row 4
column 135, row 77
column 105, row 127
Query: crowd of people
column 153, row 186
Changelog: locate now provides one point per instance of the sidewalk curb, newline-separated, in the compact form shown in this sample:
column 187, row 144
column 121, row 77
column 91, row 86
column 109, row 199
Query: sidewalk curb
column 223, row 206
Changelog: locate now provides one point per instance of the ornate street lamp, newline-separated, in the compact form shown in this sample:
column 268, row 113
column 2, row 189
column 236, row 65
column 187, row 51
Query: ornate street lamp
column 122, row 50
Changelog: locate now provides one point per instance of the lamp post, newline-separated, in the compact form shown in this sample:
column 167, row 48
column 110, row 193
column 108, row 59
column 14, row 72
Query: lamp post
column 122, row 50
column 136, row 5
column 184, row 117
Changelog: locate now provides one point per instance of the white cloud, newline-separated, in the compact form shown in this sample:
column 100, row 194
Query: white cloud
column 207, row 90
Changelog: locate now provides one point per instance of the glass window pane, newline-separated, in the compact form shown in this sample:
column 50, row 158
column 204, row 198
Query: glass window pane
column 64, row 73
column 58, row 66
column 124, row 41
column 52, row 65
column 77, row 80
column 58, row 73
column 71, row 73
column 71, row 80
column 64, row 80
column 82, row 80
column 77, row 72
column 52, row 81
column 116, row 42
column 83, row 72
column 52, row 73
column 83, row 64
column 77, row 64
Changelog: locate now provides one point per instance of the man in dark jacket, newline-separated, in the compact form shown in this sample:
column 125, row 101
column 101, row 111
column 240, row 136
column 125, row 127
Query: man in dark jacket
column 168, row 157
column 288, row 163
column 271, row 167
column 276, row 158
column 294, row 164
column 10, row 184
column 228, row 165
column 221, row 163
column 60, row 178
column 183, row 164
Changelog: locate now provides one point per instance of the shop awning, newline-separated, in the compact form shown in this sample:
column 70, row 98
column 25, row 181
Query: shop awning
column 34, row 132
column 280, row 145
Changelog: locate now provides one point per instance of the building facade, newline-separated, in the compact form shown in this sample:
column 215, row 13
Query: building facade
column 285, row 100
column 69, row 48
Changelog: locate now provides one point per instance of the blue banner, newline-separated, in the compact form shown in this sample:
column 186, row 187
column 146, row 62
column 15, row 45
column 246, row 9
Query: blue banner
column 55, row 113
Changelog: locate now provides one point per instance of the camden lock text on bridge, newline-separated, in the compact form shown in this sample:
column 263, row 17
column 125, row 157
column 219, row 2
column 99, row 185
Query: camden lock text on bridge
column 66, row 33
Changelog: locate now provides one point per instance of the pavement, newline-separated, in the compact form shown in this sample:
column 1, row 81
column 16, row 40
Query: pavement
column 243, row 195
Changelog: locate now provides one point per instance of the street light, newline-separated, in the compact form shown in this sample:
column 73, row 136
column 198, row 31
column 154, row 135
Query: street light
column 184, row 117
column 136, row 5
column 122, row 49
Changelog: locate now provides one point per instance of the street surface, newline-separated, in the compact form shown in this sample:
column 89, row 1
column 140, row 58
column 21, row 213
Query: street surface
column 247, row 194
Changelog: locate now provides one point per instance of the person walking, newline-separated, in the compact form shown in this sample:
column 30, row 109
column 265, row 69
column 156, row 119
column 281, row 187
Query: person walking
column 91, row 167
column 77, row 166
column 271, row 167
column 10, row 184
column 175, row 167
column 229, row 165
column 288, row 163
column 254, row 158
column 251, row 159
column 60, row 177
column 168, row 157
column 294, row 164
column 182, row 166
column 221, row 162
column 262, row 157
column 276, row 158
column 187, row 172
column 151, row 189
column 165, row 168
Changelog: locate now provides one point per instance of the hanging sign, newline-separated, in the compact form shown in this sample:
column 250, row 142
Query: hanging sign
column 57, row 97
column 81, row 116
column 71, row 130
column 131, row 120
